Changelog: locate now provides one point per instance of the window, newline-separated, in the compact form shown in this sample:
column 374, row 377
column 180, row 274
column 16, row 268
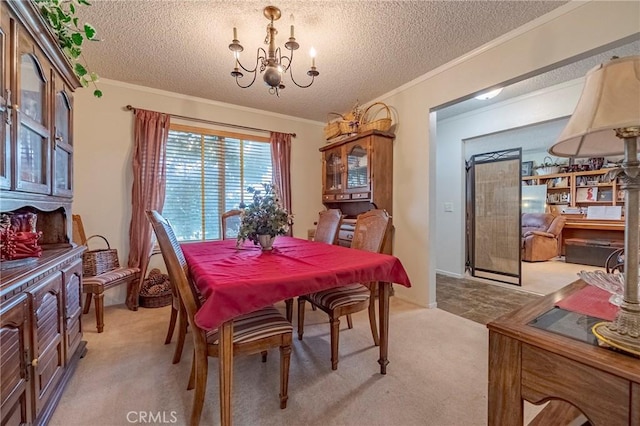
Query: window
column 208, row 173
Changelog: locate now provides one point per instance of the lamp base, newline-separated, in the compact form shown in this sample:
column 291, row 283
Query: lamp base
column 624, row 332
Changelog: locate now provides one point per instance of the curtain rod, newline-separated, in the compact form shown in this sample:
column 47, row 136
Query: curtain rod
column 215, row 123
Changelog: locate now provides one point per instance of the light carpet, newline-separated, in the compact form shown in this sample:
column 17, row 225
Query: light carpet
column 437, row 375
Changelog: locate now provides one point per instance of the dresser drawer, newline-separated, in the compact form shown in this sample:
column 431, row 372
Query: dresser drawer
column 343, row 196
column 361, row 196
column 328, row 197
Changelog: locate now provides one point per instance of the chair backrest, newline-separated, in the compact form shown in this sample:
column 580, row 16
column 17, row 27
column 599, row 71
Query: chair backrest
column 545, row 222
column 371, row 230
column 78, row 236
column 230, row 224
column 328, row 226
column 176, row 264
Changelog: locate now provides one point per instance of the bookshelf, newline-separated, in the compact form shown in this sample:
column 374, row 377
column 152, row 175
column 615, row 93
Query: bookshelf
column 578, row 190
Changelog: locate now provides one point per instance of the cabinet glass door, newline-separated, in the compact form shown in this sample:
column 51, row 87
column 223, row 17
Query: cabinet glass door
column 5, row 102
column 33, row 135
column 334, row 168
column 357, row 166
column 63, row 150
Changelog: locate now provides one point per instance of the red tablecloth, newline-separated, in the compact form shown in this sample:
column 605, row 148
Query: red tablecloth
column 237, row 281
column 591, row 301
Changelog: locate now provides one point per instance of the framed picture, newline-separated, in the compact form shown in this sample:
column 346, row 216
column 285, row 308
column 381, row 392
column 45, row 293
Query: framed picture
column 527, row 168
column 606, row 195
column 587, row 194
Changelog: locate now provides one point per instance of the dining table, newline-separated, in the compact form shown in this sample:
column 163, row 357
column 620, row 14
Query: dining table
column 235, row 280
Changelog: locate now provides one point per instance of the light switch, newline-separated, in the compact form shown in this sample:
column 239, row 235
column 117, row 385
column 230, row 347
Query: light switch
column 448, row 207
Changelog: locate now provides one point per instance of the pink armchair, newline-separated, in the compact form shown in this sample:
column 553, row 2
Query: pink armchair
column 541, row 236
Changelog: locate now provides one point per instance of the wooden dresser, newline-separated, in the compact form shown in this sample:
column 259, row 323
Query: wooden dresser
column 40, row 301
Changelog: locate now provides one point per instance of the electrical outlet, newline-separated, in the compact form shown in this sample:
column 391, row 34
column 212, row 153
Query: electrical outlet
column 448, row 207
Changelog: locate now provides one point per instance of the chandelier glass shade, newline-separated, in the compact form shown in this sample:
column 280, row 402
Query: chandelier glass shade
column 271, row 63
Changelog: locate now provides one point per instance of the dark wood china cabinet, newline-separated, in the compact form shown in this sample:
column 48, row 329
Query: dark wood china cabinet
column 40, row 297
column 357, row 175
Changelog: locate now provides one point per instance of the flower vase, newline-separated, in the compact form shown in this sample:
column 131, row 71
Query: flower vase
column 266, row 241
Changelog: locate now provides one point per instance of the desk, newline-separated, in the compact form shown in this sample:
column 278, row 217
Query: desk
column 238, row 281
column 527, row 363
column 591, row 229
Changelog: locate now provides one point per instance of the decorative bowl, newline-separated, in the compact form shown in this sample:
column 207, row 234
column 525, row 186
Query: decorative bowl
column 613, row 283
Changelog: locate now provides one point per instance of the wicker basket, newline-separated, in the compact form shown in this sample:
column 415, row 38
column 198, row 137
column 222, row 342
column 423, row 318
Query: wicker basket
column 332, row 129
column 96, row 262
column 369, row 123
column 156, row 290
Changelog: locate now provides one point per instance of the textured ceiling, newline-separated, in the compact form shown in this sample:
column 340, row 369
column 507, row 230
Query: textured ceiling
column 365, row 48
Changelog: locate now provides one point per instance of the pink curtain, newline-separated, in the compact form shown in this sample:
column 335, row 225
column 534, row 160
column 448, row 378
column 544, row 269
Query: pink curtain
column 281, row 160
column 151, row 130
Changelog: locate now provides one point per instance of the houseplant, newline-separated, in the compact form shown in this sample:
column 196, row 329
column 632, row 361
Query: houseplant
column 264, row 218
column 64, row 23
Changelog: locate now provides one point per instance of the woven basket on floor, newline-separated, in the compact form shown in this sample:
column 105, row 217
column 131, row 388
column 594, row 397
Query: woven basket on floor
column 156, row 290
column 369, row 122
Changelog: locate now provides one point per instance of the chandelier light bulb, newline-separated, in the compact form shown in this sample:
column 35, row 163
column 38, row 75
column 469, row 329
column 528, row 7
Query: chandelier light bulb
column 312, row 53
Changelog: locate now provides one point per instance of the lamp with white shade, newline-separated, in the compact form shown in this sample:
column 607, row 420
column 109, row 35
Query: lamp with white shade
column 606, row 122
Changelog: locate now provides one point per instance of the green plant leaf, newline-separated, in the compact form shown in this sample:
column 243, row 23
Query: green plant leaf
column 72, row 8
column 84, row 82
column 93, row 76
column 77, row 39
column 97, row 93
column 80, row 70
column 89, row 31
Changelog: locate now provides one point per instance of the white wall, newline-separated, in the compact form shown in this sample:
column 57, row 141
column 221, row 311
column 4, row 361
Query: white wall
column 566, row 32
column 103, row 148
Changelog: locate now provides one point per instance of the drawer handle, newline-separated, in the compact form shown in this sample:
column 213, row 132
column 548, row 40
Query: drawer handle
column 35, row 362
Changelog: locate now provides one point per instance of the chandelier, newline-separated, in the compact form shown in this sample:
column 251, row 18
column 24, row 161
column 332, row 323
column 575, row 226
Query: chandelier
column 272, row 64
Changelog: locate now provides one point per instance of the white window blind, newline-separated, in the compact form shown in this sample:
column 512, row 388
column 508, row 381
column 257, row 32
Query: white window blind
column 208, row 174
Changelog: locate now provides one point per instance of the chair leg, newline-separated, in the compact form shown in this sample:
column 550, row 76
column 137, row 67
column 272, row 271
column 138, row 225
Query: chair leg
column 192, row 375
column 372, row 321
column 285, row 358
column 182, row 333
column 289, row 309
column 335, row 335
column 87, row 303
column 349, row 321
column 172, row 325
column 301, row 317
column 99, row 298
column 202, row 369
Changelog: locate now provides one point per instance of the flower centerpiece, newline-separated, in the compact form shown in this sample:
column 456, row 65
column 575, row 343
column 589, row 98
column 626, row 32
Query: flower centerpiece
column 263, row 218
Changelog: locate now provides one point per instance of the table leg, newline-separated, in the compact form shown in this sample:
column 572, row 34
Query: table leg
column 225, row 362
column 505, row 405
column 383, row 304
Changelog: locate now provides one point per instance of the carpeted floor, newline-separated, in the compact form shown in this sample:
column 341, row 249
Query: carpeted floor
column 437, row 375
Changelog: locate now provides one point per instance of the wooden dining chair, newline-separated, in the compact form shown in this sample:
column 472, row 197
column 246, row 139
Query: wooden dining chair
column 327, row 229
column 230, row 224
column 370, row 232
column 96, row 285
column 252, row 333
